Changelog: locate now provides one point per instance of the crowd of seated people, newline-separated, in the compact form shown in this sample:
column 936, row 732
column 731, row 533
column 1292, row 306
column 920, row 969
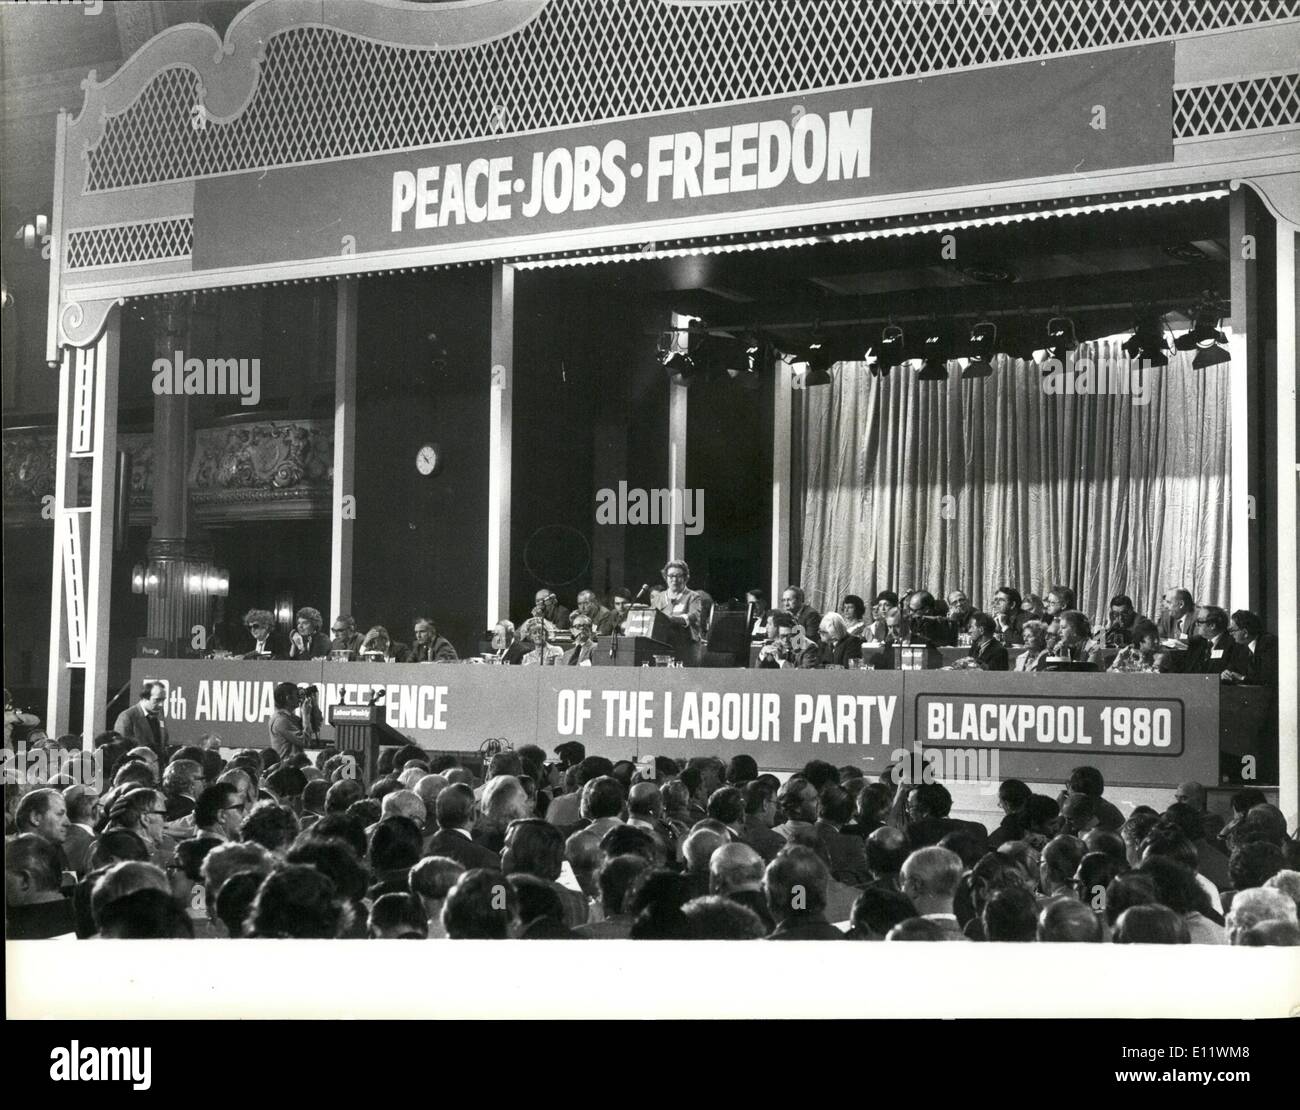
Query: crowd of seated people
column 579, row 847
column 1020, row 634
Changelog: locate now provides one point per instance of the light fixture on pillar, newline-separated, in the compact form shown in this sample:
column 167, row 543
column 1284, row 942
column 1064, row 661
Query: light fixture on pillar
column 1147, row 344
column 1205, row 338
column 980, row 349
column 284, row 609
column 675, row 357
column 137, row 579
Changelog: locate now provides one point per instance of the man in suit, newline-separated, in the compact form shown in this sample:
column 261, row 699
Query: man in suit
column 429, row 647
column 584, row 643
column 792, row 602
column 986, row 649
column 82, row 803
column 1217, row 652
column 1008, row 618
column 266, row 644
column 603, row 620
column 346, row 637
column 509, row 650
column 1247, row 629
column 142, row 724
column 181, row 782
column 930, row 878
column 760, row 813
column 736, row 872
column 547, row 606
column 847, row 853
column 1177, row 617
column 787, row 645
column 454, row 839
column 796, row 885
column 898, row 633
column 922, row 812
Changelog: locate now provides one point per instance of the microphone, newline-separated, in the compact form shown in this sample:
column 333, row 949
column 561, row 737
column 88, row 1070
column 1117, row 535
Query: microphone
column 376, row 696
column 643, row 591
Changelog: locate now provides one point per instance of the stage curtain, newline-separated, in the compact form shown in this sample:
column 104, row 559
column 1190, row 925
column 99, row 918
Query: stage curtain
column 978, row 483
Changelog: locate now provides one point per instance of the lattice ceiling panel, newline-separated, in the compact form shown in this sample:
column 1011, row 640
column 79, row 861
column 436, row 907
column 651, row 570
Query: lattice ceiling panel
column 1237, row 106
column 149, row 241
column 328, row 94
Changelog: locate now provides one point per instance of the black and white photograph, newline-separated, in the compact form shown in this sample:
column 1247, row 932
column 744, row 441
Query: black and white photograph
column 430, row 428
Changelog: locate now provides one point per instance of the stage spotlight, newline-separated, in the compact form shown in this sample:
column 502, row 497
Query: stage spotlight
column 1205, row 338
column 893, row 349
column 934, row 361
column 1147, row 343
column 818, row 359
column 680, row 367
column 752, row 361
column 980, row 349
column 1061, row 339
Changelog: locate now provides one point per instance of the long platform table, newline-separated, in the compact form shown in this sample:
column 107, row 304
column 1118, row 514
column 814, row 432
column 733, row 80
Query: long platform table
column 1139, row 730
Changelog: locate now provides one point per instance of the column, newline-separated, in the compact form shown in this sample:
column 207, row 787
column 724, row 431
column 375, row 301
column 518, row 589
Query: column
column 500, row 435
column 782, row 427
column 178, row 602
column 345, row 434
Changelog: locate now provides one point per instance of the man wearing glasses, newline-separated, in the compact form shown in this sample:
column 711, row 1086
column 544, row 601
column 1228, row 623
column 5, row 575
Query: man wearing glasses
column 219, row 811
column 267, row 644
column 345, row 636
column 1216, row 652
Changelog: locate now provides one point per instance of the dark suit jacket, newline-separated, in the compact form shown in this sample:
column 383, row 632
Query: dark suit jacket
column 991, row 655
column 839, row 654
column 848, row 855
column 754, row 900
column 132, row 724
column 439, row 650
column 577, row 654
column 762, row 839
column 1184, row 627
column 1232, row 657
column 277, row 644
column 810, row 619
column 806, row 927
column 883, row 660
column 930, row 830
column 1263, row 670
column 468, row 853
column 514, row 654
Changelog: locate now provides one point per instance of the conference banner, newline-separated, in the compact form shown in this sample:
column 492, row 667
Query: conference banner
column 1139, row 730
column 1062, row 116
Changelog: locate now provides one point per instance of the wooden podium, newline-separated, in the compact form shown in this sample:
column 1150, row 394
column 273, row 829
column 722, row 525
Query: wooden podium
column 628, row 651
column 646, row 633
column 362, row 730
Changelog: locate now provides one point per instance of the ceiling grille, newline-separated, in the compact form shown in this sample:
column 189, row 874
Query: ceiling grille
column 327, row 94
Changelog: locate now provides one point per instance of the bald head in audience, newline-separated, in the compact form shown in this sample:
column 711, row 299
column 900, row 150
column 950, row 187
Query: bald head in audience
column 1065, row 920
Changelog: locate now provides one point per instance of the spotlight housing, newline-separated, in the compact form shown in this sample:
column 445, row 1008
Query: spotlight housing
column 980, row 349
column 936, row 348
column 752, row 361
column 819, row 360
column 893, row 349
column 1147, row 343
column 680, row 367
column 1205, row 338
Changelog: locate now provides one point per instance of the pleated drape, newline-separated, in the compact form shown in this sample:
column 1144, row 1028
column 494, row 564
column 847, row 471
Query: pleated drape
column 979, row 483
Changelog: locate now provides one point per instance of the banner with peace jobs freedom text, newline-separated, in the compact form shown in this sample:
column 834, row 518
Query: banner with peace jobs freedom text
column 1060, row 116
column 1138, row 729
